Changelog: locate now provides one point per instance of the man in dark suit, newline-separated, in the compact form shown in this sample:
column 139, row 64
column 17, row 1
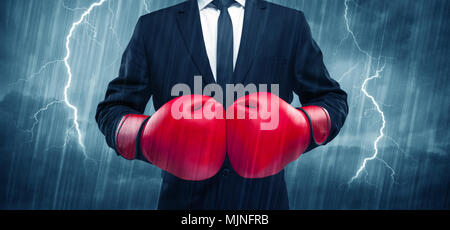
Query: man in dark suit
column 270, row 44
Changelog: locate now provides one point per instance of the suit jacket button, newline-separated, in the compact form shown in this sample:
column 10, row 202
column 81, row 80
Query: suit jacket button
column 226, row 172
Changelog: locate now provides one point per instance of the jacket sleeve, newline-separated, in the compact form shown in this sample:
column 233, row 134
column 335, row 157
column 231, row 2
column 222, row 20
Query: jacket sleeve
column 130, row 92
column 313, row 84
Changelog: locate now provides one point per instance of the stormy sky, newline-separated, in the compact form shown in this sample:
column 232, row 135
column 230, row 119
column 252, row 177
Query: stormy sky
column 42, row 165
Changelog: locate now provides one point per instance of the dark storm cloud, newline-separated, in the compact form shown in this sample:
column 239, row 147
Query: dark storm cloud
column 406, row 30
column 426, row 172
column 40, row 169
column 396, row 23
column 5, row 49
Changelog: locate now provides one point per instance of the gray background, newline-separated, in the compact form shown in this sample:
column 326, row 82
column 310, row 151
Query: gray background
column 42, row 164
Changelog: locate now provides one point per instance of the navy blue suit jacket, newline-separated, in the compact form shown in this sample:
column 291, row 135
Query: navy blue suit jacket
column 167, row 48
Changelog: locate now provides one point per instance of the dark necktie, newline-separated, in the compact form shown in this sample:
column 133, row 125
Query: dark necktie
column 224, row 44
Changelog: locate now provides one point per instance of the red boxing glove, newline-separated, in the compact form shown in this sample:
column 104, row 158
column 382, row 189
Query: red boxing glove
column 265, row 133
column 185, row 137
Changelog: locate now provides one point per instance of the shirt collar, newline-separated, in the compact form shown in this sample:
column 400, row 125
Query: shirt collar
column 204, row 3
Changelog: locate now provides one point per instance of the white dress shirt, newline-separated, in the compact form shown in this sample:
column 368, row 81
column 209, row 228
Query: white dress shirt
column 209, row 17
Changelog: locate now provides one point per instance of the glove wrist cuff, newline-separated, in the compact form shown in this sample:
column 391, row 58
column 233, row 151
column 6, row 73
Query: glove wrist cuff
column 320, row 123
column 128, row 135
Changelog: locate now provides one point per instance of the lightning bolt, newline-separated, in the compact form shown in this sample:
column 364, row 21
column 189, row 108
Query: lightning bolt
column 377, row 74
column 71, row 9
column 36, row 115
column 348, row 72
column 381, row 131
column 111, row 26
column 76, row 125
column 33, row 75
column 94, row 33
column 37, row 73
column 146, row 6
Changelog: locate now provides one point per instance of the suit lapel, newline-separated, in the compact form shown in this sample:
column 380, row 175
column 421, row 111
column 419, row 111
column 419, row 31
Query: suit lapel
column 188, row 18
column 254, row 20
